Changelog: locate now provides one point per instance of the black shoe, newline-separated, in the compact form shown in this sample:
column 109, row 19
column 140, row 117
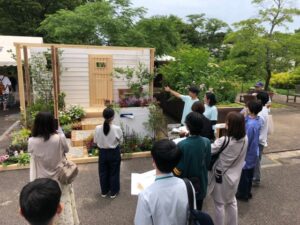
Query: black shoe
column 250, row 195
column 242, row 198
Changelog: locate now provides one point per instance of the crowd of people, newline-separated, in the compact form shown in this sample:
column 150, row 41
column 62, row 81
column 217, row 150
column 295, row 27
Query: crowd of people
column 223, row 167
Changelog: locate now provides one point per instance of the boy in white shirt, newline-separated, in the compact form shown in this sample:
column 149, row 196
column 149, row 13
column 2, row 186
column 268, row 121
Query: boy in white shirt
column 165, row 201
column 263, row 136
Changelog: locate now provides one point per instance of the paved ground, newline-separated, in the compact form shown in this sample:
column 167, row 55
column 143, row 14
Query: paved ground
column 276, row 202
column 286, row 123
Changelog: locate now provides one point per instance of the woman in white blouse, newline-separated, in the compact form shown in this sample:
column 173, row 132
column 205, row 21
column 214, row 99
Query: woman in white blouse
column 108, row 137
column 225, row 175
column 48, row 149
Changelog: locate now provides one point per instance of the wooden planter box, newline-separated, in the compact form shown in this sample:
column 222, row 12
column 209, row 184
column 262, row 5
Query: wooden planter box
column 82, row 160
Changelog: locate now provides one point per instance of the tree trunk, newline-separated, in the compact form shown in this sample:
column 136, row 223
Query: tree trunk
column 268, row 69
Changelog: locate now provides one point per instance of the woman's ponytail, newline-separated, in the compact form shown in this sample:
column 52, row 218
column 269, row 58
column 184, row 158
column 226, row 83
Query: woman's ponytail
column 108, row 115
column 106, row 127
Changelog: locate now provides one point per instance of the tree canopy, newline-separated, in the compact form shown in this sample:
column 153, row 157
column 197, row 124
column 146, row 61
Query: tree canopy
column 23, row 17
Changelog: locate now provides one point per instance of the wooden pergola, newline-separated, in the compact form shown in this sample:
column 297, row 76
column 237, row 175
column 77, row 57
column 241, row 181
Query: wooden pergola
column 24, row 70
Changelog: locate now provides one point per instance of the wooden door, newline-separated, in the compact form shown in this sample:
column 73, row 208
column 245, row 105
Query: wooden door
column 101, row 80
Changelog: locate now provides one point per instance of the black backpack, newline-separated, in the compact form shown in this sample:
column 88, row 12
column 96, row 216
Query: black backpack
column 196, row 217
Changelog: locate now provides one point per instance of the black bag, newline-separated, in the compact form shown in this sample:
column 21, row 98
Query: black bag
column 215, row 156
column 195, row 217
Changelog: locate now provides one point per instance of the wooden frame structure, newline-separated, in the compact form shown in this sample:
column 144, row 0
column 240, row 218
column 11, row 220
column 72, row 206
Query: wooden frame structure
column 25, row 85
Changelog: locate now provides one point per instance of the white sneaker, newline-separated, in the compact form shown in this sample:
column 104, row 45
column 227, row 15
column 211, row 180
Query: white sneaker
column 103, row 196
column 113, row 196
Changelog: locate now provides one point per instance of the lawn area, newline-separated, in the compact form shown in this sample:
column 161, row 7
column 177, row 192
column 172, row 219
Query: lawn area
column 233, row 105
column 283, row 91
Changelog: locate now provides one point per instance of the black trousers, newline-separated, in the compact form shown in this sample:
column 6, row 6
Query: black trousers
column 245, row 185
column 109, row 170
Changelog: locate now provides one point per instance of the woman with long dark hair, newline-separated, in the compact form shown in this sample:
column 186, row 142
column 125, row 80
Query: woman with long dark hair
column 211, row 111
column 108, row 137
column 225, row 175
column 47, row 148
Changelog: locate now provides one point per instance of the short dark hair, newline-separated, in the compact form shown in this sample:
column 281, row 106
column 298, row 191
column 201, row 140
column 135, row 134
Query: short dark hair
column 194, row 123
column 212, row 98
column 194, row 90
column 263, row 97
column 236, row 125
column 44, row 125
column 166, row 155
column 254, row 106
column 39, row 201
column 198, row 107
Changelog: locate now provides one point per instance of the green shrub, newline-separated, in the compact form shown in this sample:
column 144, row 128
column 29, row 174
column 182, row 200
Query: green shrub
column 72, row 114
column 64, row 118
column 20, row 138
column 75, row 112
column 194, row 66
column 286, row 79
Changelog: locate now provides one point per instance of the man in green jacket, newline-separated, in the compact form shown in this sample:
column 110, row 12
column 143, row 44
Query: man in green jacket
column 196, row 154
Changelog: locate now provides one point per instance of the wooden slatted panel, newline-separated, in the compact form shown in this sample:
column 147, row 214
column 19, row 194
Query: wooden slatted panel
column 101, row 80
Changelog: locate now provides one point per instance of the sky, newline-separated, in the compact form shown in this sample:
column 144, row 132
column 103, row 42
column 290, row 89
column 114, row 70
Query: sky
column 229, row 11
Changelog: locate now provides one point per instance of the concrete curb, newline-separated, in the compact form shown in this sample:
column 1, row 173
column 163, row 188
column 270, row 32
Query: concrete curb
column 83, row 160
column 15, row 124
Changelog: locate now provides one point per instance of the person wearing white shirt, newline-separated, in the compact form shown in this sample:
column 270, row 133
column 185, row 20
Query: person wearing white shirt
column 165, row 201
column 108, row 137
column 4, row 90
column 263, row 136
column 188, row 100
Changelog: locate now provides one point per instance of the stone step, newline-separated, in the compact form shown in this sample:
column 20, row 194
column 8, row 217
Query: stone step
column 76, row 152
column 80, row 137
column 94, row 112
column 91, row 123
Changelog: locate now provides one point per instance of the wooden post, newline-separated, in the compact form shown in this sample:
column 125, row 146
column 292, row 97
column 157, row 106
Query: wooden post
column 54, row 77
column 57, row 72
column 152, row 57
column 21, row 82
column 27, row 76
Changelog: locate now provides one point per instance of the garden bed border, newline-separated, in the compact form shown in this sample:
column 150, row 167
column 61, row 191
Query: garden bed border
column 82, row 160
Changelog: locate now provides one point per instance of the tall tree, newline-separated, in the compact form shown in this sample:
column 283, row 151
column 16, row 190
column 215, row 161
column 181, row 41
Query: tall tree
column 23, row 17
column 98, row 22
column 160, row 32
column 274, row 13
column 259, row 46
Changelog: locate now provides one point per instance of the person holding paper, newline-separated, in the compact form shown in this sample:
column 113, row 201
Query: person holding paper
column 196, row 154
column 187, row 99
column 165, row 201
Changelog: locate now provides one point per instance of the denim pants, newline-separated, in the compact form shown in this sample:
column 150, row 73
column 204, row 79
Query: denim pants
column 256, row 176
column 109, row 170
column 245, row 185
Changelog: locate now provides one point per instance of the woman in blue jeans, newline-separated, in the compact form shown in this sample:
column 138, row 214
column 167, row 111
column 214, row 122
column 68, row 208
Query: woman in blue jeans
column 108, row 138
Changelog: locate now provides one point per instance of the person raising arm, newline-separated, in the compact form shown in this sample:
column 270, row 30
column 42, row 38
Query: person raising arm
column 187, row 99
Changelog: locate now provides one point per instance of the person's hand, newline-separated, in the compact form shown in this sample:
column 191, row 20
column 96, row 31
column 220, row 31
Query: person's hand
column 167, row 89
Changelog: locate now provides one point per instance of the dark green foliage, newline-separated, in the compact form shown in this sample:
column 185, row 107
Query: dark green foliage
column 23, row 17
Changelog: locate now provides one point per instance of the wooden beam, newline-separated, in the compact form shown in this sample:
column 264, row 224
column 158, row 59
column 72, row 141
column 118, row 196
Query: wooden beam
column 27, row 76
column 57, row 72
column 152, row 58
column 37, row 45
column 21, row 82
column 54, row 77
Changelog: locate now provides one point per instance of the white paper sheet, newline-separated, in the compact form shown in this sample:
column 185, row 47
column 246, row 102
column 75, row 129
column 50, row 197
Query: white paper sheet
column 140, row 182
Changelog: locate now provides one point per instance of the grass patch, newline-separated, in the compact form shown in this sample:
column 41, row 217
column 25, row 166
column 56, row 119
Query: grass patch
column 277, row 106
column 233, row 105
column 284, row 91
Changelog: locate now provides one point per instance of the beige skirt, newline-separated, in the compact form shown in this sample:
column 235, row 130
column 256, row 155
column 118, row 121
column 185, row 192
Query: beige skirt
column 69, row 214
